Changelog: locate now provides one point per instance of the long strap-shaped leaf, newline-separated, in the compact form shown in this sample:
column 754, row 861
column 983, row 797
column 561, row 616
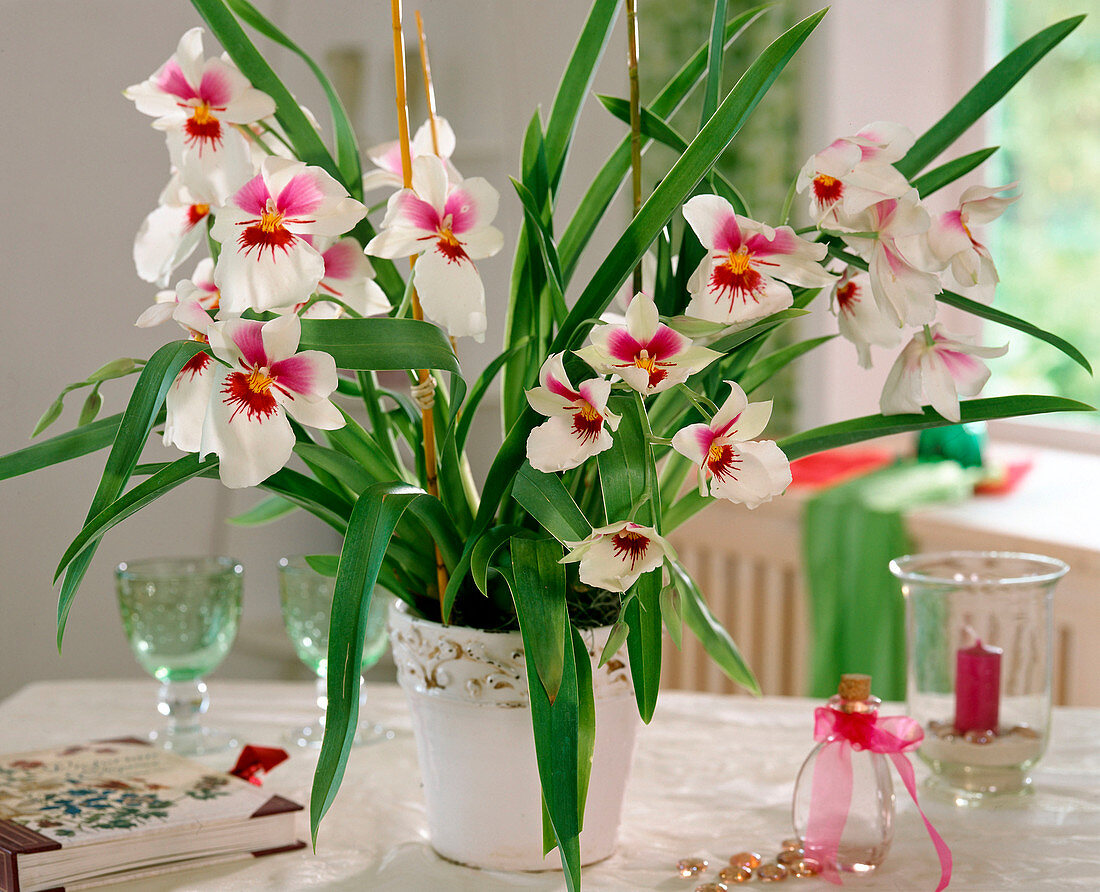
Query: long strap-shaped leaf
column 141, row 411
column 679, row 182
column 380, row 343
column 299, row 131
column 711, row 634
column 538, row 590
column 71, row 444
column 372, row 522
column 947, row 173
column 546, row 499
column 983, row 96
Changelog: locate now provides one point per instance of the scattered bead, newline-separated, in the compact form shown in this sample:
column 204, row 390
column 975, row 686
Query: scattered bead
column 981, row 738
column 750, row 860
column 793, row 844
column 742, row 873
column 771, row 872
column 690, row 867
column 712, row 887
column 789, row 858
column 805, row 867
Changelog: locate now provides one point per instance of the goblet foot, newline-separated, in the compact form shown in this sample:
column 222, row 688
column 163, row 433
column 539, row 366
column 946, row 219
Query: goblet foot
column 313, row 735
column 194, row 741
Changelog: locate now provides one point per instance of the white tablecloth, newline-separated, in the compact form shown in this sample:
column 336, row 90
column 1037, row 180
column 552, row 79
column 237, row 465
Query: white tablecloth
column 713, row 775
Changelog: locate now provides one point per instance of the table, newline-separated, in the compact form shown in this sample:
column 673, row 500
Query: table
column 713, row 775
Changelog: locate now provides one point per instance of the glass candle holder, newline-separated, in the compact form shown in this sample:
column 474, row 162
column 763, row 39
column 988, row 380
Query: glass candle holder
column 980, row 644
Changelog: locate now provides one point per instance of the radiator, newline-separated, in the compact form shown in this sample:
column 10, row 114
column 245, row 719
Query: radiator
column 748, row 565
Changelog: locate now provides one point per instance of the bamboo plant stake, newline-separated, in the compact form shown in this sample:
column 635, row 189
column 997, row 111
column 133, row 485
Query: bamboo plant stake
column 635, row 122
column 426, row 416
column 429, row 90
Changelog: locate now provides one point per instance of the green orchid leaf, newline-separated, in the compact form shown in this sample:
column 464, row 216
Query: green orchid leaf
column 983, row 96
column 264, row 511
column 995, row 315
column 370, row 527
column 643, row 642
column 715, row 56
column 137, row 421
column 325, row 564
column 481, row 558
column 146, row 492
column 350, row 474
column 764, row 369
column 606, row 183
column 546, row 499
column 305, row 492
column 380, row 343
column 347, row 148
column 936, row 179
column 711, row 634
column 538, row 589
column 481, row 387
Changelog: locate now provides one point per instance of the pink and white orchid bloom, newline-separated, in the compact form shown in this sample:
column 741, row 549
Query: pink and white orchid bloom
column 186, row 401
column 901, row 277
column 731, row 464
column 199, row 100
column 613, row 557
column 579, row 425
column 645, row 353
column 937, row 368
column 951, row 239
column 387, row 156
column 266, row 260
column 170, row 233
column 349, row 277
column 739, row 279
column 200, row 288
column 448, row 225
column 855, row 172
column 246, row 423
column 859, row 317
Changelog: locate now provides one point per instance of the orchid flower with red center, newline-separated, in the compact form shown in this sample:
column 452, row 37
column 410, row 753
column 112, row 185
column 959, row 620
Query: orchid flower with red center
column 645, row 353
column 349, row 278
column 902, row 280
column 579, row 425
column 200, row 288
column 199, row 100
column 936, row 368
column 739, row 279
column 266, row 260
column 855, row 172
column 951, row 239
column 731, row 464
column 859, row 317
column 170, row 233
column 613, row 557
column 448, row 226
column 387, row 156
column 266, row 380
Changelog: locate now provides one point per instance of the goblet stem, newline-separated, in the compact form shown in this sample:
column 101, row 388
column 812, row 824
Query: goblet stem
column 183, row 703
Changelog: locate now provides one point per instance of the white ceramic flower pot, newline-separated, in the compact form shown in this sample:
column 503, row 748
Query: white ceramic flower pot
column 467, row 692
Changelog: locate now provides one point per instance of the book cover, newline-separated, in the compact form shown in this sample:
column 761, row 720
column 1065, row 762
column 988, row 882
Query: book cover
column 111, row 806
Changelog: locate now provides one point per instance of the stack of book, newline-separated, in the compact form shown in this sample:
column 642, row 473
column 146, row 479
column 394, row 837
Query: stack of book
column 118, row 810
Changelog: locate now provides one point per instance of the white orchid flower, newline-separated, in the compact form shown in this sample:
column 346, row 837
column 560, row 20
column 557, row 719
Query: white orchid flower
column 613, row 557
column 266, row 260
column 859, row 317
column 447, row 224
column 196, row 101
column 349, row 277
column 739, row 279
column 901, row 277
column 200, row 288
column 645, row 353
column 387, row 156
column 266, row 380
column 936, row 368
column 171, row 232
column 579, row 425
column 855, row 172
column 951, row 239
column 731, row 464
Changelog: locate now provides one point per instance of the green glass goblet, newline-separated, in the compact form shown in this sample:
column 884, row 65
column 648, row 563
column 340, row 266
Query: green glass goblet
column 181, row 616
column 306, row 598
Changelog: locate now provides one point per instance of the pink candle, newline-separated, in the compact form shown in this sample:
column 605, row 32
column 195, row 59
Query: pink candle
column 977, row 688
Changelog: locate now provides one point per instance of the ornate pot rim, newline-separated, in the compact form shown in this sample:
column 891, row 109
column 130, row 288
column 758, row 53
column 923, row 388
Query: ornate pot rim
column 483, row 668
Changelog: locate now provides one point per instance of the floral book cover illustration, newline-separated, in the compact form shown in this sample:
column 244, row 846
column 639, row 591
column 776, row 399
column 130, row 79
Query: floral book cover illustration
column 127, row 807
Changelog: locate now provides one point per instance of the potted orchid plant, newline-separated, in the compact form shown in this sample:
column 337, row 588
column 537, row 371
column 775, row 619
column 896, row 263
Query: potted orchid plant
column 616, row 428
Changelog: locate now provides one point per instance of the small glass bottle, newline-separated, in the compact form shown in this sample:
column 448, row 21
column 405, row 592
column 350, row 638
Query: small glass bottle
column 869, row 825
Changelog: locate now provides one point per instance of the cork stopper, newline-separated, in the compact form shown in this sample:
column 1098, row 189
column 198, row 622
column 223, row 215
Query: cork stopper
column 854, row 687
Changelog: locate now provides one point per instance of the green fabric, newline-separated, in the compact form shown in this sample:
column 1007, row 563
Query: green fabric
column 849, row 535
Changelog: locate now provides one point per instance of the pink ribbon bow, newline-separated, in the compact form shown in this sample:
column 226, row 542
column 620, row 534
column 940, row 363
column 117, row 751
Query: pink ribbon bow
column 831, row 793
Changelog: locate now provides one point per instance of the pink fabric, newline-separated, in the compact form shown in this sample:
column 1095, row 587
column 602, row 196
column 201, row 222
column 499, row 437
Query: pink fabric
column 831, row 794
